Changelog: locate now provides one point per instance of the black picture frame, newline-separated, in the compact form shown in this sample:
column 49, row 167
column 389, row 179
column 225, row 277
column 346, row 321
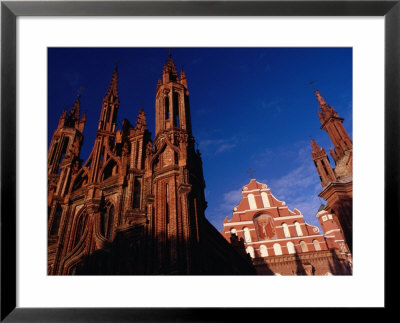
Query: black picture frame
column 10, row 10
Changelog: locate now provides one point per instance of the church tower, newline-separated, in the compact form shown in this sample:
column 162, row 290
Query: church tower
column 337, row 182
column 175, row 172
column 63, row 160
column 135, row 206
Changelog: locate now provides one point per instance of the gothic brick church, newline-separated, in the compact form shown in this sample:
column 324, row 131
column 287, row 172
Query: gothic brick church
column 136, row 205
column 337, row 182
column 278, row 239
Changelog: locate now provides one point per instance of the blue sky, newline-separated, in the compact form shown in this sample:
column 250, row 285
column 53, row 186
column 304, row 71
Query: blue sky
column 251, row 108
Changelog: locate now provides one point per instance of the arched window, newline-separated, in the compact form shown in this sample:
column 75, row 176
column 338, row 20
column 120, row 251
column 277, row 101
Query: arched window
column 176, row 109
column 290, row 247
column 265, row 200
column 107, row 221
column 263, row 251
column 303, row 246
column 298, row 229
column 250, row 251
column 252, row 202
column 63, row 152
column 53, row 153
column 55, row 226
column 233, row 232
column 136, row 194
column 246, row 233
column 80, row 228
column 277, row 249
column 110, row 170
column 286, row 230
column 166, row 105
column 317, row 247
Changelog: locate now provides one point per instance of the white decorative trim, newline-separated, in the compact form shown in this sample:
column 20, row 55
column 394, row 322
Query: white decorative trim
column 240, row 231
column 333, row 230
column 290, row 217
column 275, row 219
column 260, row 209
column 237, row 223
column 287, row 239
column 257, row 190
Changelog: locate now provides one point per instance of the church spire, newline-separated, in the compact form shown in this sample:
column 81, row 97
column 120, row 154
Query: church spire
column 333, row 125
column 172, row 100
column 320, row 99
column 321, row 161
column 113, row 88
column 108, row 117
column 326, row 111
column 169, row 71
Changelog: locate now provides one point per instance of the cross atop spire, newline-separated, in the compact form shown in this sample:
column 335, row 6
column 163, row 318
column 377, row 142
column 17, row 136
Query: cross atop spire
column 251, row 172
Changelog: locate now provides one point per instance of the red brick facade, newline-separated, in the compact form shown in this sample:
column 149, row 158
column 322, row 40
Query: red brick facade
column 278, row 239
column 337, row 182
column 135, row 206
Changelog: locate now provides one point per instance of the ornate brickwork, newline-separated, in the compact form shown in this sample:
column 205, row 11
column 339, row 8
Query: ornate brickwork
column 135, row 206
column 337, row 183
column 278, row 239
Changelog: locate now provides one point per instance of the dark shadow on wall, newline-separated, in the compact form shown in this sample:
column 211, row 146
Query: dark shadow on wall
column 134, row 252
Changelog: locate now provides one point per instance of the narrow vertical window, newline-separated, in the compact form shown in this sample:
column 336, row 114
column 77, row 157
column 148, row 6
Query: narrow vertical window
column 80, row 228
column 63, row 151
column 110, row 223
column 323, row 165
column 246, row 233
column 136, row 194
column 166, row 205
column 166, row 105
column 316, row 244
column 263, row 251
column 108, row 114
column 265, row 199
column 298, row 229
column 290, row 247
column 107, row 221
column 53, row 153
column 176, row 109
column 250, row 251
column 286, row 231
column 303, row 246
column 277, row 249
column 56, row 221
column 252, row 202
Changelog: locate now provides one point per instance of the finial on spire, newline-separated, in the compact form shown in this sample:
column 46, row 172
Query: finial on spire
column 116, row 65
column 169, row 53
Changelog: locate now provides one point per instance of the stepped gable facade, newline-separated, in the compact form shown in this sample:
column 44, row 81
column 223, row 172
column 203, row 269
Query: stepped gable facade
column 278, row 239
column 336, row 182
column 136, row 205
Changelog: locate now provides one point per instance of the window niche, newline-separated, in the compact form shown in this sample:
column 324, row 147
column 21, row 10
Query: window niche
column 107, row 221
column 137, row 189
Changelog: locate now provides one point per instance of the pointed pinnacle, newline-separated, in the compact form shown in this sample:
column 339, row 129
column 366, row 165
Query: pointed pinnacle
column 320, row 99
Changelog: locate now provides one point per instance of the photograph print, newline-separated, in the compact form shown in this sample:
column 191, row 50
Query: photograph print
column 200, row 161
